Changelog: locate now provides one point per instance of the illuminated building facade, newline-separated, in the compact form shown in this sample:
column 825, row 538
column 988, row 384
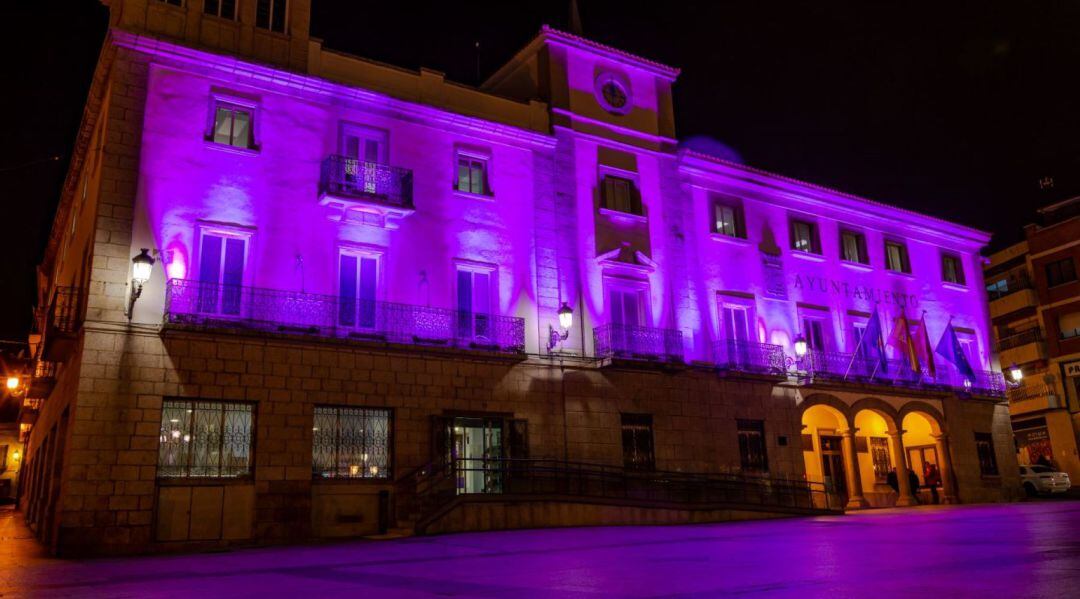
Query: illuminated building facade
column 384, row 302
column 1035, row 310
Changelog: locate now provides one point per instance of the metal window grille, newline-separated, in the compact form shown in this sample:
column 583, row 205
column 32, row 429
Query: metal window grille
column 351, row 442
column 205, row 439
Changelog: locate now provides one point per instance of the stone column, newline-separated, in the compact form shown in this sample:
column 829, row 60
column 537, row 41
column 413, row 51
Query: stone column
column 856, row 500
column 948, row 485
column 896, row 444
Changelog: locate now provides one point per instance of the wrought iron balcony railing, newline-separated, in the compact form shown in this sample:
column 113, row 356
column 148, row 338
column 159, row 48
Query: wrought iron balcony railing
column 749, row 356
column 271, row 310
column 842, row 366
column 638, row 343
column 1026, row 393
column 1012, row 285
column 384, row 184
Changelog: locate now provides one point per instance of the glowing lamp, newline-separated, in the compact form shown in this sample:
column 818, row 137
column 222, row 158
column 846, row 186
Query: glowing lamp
column 800, row 346
column 141, row 267
column 12, row 383
column 967, row 383
column 15, row 455
column 1016, row 373
column 566, row 320
column 566, row 316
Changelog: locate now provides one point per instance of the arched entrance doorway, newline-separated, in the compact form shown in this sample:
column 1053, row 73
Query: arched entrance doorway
column 880, row 456
column 927, row 454
column 828, row 453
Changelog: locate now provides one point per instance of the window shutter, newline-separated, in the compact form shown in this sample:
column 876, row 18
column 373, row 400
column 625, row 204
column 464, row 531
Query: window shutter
column 635, row 199
column 607, row 191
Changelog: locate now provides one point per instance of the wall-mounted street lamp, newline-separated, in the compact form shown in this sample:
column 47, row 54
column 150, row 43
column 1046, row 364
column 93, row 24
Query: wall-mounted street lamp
column 142, row 266
column 566, row 320
column 800, row 347
column 1016, row 374
column 12, row 384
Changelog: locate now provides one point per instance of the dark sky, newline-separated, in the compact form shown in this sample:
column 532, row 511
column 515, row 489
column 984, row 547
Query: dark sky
column 950, row 109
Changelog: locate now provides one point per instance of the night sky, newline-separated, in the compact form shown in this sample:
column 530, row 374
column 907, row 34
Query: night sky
column 956, row 111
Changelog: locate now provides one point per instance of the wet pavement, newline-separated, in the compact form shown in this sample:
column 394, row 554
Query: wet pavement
column 1019, row 550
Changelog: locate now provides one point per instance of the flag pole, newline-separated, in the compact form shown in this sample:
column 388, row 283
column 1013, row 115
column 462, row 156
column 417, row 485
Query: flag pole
column 851, row 362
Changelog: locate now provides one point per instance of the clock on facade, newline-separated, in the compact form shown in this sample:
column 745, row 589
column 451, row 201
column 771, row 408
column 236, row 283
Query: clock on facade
column 613, row 93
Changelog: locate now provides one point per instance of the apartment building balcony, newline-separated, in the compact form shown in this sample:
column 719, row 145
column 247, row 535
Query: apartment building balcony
column 42, row 379
column 832, row 366
column 216, row 306
column 632, row 342
column 1032, row 398
column 1019, row 295
column 748, row 356
column 60, row 324
column 366, row 192
column 1022, row 348
column 29, row 410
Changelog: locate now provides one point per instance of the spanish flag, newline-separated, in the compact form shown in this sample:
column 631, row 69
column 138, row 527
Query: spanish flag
column 902, row 341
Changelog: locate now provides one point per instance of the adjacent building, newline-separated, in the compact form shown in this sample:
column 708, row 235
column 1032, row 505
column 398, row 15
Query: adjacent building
column 292, row 293
column 1035, row 307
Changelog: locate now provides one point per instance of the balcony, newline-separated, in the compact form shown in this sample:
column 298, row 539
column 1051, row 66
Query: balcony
column 1032, row 398
column 366, row 192
column 841, row 366
column 61, row 324
column 633, row 342
column 1022, row 348
column 1019, row 295
column 748, row 356
column 211, row 305
column 42, row 380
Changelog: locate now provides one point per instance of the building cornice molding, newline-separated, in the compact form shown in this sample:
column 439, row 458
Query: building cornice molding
column 253, row 74
column 801, row 195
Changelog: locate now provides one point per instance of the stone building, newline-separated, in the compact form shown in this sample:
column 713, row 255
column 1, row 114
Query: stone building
column 383, row 301
column 1035, row 311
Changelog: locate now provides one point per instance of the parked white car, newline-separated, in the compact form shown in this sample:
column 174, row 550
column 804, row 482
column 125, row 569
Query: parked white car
column 1042, row 479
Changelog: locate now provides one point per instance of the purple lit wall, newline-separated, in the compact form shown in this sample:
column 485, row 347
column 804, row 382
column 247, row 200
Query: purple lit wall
column 541, row 232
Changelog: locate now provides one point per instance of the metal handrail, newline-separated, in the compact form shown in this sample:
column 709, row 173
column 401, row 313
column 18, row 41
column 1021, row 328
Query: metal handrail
column 1013, row 284
column 64, row 310
column 254, row 308
column 438, row 487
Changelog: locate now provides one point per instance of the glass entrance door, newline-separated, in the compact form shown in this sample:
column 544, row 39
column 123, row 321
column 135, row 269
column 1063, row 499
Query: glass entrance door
column 476, row 448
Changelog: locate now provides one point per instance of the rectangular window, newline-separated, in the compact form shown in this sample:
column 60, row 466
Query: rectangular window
column 814, row 331
column 270, row 14
column 351, row 442
column 952, row 270
column 232, row 125
column 853, row 247
column 637, row 442
column 984, row 447
column 472, row 175
column 3, row 458
column 737, row 321
column 358, row 279
column 879, row 453
column 1060, row 272
column 1069, row 325
column 752, row 455
column 620, row 194
column 804, row 237
column 998, row 289
column 221, row 273
column 209, row 439
column 474, row 301
column 172, row 2
column 896, row 257
column 626, row 307
column 728, row 219
column 226, row 9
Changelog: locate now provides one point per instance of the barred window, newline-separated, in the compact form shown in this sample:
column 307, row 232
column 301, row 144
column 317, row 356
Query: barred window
column 205, row 439
column 752, row 455
column 879, row 453
column 984, row 448
column 351, row 442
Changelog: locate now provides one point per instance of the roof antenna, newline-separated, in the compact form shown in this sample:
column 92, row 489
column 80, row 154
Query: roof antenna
column 575, row 19
column 477, row 45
